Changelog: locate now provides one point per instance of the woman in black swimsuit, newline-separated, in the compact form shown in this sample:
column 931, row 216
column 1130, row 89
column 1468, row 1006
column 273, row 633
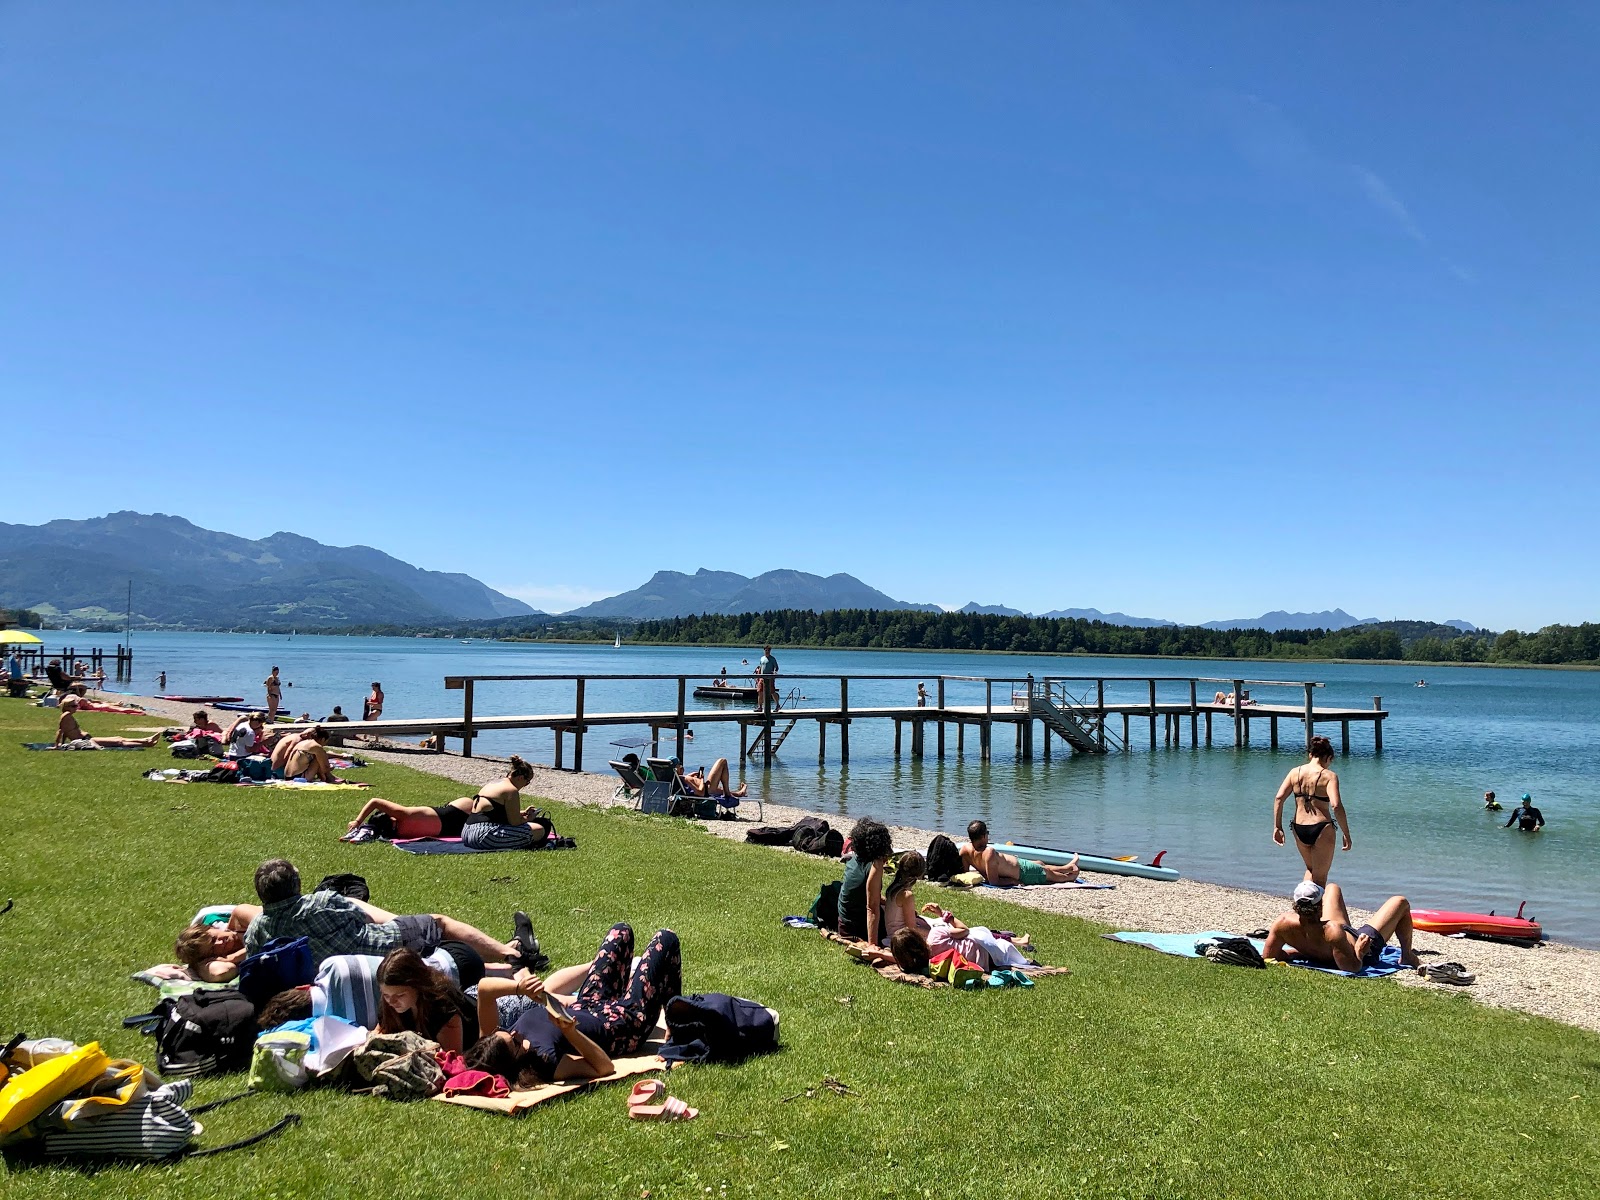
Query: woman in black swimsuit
column 1317, row 806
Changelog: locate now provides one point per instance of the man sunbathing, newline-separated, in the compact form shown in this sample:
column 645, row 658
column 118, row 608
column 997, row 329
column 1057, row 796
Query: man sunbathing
column 71, row 735
column 1005, row 870
column 213, row 951
column 712, row 783
column 1318, row 928
column 337, row 924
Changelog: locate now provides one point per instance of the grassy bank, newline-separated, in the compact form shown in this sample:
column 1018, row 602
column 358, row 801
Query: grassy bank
column 1138, row 1075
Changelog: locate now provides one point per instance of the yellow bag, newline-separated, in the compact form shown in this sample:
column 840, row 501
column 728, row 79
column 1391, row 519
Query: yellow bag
column 29, row 1093
column 120, row 1083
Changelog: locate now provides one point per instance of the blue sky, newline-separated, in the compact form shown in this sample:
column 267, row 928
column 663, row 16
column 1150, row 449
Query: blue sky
column 1184, row 310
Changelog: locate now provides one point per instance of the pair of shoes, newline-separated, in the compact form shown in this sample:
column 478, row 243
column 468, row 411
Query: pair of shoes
column 1450, row 972
column 527, row 953
column 361, row 833
column 649, row 1102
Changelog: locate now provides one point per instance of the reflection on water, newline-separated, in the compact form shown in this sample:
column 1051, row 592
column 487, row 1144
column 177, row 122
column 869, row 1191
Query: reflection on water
column 1416, row 811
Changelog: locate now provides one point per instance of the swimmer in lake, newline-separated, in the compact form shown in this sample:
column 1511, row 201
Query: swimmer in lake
column 1317, row 806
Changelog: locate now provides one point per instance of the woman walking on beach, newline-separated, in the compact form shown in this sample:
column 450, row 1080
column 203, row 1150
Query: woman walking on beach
column 1317, row 807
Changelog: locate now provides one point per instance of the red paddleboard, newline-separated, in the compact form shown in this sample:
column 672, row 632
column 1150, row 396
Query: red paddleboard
column 202, row 699
column 1433, row 920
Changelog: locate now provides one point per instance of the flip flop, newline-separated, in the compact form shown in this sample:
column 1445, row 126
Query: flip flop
column 647, row 1091
column 670, row 1109
column 1017, row 977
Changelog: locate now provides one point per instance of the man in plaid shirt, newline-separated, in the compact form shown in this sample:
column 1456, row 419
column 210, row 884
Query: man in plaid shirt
column 337, row 924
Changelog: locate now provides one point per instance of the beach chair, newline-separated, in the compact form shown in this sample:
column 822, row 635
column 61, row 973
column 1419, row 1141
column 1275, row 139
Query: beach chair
column 655, row 796
column 631, row 785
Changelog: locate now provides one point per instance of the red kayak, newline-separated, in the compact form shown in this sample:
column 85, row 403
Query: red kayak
column 1433, row 920
column 202, row 699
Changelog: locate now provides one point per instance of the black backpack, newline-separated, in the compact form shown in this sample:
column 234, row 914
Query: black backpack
column 210, row 1032
column 718, row 1028
column 825, row 908
column 813, row 835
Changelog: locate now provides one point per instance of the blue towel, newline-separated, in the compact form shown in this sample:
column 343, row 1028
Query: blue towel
column 1182, row 945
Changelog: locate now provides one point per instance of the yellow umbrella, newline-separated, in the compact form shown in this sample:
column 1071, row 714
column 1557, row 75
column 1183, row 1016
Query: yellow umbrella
column 19, row 637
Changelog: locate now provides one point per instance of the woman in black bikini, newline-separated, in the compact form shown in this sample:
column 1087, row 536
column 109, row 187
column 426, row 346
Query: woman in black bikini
column 497, row 820
column 1317, row 806
column 492, row 805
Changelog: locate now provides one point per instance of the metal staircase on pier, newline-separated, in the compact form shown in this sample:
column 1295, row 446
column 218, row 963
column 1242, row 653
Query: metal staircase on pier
column 791, row 701
column 1070, row 718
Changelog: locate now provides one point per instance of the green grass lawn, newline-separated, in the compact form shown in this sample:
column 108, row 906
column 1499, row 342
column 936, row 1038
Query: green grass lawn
column 1139, row 1075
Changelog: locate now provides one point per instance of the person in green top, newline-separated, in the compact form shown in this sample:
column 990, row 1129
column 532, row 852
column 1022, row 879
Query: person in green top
column 861, row 896
column 766, row 681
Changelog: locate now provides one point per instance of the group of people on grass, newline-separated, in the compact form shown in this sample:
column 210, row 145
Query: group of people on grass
column 447, row 980
column 890, row 918
column 1318, row 927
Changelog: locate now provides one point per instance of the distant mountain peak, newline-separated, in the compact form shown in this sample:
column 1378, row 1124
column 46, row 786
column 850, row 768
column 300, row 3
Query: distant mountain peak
column 673, row 594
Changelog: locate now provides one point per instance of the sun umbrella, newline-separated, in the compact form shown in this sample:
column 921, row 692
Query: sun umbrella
column 18, row 637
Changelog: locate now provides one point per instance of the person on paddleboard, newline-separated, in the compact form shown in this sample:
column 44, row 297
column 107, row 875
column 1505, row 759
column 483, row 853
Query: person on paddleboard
column 1525, row 816
column 1317, row 807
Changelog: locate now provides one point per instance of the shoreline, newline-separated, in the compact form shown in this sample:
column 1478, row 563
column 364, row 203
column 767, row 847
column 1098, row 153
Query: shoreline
column 1555, row 980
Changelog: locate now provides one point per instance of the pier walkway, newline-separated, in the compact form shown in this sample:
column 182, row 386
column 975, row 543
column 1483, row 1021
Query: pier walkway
column 1075, row 710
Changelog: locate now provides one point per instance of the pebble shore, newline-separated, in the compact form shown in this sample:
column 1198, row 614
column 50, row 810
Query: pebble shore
column 1553, row 980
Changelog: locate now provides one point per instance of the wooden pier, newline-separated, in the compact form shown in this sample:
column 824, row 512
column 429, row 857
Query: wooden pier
column 1073, row 710
column 36, row 658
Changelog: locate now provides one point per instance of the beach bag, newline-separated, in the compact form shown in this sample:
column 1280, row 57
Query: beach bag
column 1232, row 951
column 717, row 1028
column 153, row 1126
column 203, row 1033
column 681, row 805
column 184, row 748
column 278, row 1061
column 825, row 908
column 281, row 964
column 257, row 767
column 29, row 1093
column 226, row 771
column 353, row 886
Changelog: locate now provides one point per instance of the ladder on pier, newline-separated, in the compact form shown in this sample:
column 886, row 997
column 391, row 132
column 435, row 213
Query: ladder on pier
column 778, row 738
column 1070, row 719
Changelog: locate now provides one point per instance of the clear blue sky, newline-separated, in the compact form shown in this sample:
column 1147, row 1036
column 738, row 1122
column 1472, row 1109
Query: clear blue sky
column 1184, row 310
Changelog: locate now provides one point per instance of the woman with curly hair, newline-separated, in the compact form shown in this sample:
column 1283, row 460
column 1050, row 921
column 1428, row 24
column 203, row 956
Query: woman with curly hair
column 861, row 896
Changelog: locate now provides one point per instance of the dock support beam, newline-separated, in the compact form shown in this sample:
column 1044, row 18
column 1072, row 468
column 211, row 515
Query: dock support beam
column 986, row 733
column 844, row 721
column 682, row 692
column 1344, row 737
column 1208, row 727
column 897, row 737
column 1274, row 733
column 1311, row 718
column 577, row 732
column 918, row 726
column 744, row 742
column 1152, row 714
column 466, row 722
column 1377, row 725
column 941, row 716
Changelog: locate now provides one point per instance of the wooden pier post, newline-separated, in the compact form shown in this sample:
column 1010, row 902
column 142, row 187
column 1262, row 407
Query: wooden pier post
column 466, row 721
column 1311, row 718
column 1194, row 715
column 577, row 731
column 985, row 734
column 822, row 741
column 1344, row 736
column 844, row 720
column 744, row 743
column 683, row 689
column 1274, row 733
column 941, row 716
column 1152, row 714
column 1027, row 740
column 961, row 739
column 918, row 725
column 1125, row 742
column 1208, row 727
column 557, row 732
column 897, row 737
column 1100, row 711
column 1240, row 736
column 1046, row 729
column 1377, row 725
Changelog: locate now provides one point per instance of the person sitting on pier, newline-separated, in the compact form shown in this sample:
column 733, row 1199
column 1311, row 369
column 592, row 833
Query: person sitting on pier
column 70, row 735
column 711, row 783
column 1318, row 928
column 861, row 896
column 1318, row 806
column 1005, row 870
column 337, row 924
column 498, row 821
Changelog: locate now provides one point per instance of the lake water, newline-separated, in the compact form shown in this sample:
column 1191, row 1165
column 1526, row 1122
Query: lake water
column 1416, row 810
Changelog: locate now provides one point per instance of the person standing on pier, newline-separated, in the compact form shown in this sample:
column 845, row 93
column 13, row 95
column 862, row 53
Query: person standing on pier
column 274, row 687
column 766, row 681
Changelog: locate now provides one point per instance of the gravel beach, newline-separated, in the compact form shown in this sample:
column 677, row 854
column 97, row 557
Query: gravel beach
column 1553, row 980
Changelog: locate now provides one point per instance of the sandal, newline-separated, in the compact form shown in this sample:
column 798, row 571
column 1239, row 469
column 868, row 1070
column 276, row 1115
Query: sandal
column 646, row 1091
column 670, row 1109
column 1450, row 972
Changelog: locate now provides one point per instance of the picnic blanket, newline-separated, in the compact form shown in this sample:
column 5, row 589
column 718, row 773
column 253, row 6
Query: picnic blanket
column 1181, row 945
column 890, row 971
column 438, row 845
column 124, row 709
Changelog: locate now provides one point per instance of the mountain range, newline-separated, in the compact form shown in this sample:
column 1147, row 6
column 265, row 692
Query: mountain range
column 674, row 594
column 186, row 576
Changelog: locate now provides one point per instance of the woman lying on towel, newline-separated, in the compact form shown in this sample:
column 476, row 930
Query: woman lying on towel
column 71, row 735
column 945, row 931
column 392, row 820
column 560, row 1035
column 213, row 947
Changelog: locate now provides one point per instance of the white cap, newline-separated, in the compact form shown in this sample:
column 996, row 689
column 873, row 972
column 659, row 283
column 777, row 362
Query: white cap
column 1307, row 891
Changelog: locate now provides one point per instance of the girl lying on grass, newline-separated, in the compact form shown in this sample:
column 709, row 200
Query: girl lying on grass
column 944, row 932
column 560, row 1035
column 413, row 996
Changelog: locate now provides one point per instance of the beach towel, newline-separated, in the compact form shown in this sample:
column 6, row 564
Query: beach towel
column 433, row 845
column 890, row 971
column 53, row 746
column 1076, row 884
column 1181, row 945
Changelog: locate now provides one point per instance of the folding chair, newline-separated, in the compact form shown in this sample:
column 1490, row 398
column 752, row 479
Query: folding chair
column 631, row 783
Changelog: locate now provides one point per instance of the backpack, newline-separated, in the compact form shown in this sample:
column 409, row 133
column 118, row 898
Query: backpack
column 681, row 805
column 825, row 908
column 1233, row 951
column 226, row 771
column 257, row 767
column 353, row 886
column 204, row 1033
column 281, row 964
column 717, row 1028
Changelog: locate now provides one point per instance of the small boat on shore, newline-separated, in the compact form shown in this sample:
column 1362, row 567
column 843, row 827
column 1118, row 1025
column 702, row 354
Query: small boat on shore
column 1483, row 925
column 202, row 699
column 731, row 692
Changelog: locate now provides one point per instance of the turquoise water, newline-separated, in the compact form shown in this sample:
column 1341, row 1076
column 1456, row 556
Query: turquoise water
column 1416, row 810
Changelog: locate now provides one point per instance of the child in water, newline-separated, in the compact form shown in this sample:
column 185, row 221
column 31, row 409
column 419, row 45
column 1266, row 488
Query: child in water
column 1490, row 803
